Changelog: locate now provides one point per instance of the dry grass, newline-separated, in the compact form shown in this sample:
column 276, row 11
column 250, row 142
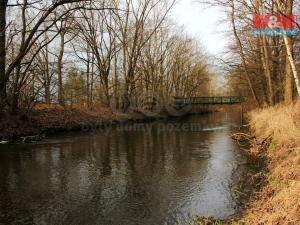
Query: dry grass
column 282, row 122
column 279, row 200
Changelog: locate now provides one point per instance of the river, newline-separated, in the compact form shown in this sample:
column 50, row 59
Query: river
column 157, row 173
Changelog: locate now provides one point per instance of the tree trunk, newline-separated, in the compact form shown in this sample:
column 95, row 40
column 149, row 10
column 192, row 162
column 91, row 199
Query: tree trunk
column 265, row 56
column 116, row 83
column 288, row 90
column 88, row 97
column 278, row 84
column 47, row 93
column 16, row 80
column 242, row 55
column 268, row 71
column 293, row 66
column 92, row 80
column 3, row 80
column 47, row 72
column 16, row 91
column 59, row 69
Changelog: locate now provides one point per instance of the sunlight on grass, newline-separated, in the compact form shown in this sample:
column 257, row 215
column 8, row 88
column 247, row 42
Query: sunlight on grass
column 210, row 221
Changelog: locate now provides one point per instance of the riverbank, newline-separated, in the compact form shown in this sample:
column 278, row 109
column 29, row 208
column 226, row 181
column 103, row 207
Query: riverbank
column 47, row 119
column 270, row 193
column 277, row 139
column 44, row 119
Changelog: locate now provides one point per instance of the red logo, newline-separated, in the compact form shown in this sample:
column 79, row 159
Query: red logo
column 274, row 22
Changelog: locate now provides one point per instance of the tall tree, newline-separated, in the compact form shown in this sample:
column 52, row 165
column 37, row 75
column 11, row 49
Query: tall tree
column 3, row 80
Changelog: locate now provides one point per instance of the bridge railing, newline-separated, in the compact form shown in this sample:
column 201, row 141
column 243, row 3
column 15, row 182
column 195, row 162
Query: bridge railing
column 209, row 100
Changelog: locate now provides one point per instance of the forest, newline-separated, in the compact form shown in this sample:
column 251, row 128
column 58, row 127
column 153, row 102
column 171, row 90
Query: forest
column 266, row 67
column 95, row 53
column 121, row 52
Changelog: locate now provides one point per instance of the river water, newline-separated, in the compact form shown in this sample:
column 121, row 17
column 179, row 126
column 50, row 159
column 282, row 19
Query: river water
column 148, row 174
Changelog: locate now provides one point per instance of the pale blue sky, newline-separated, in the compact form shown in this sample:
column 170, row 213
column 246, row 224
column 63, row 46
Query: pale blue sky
column 207, row 24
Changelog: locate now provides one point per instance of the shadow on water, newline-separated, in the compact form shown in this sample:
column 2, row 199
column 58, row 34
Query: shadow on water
column 160, row 173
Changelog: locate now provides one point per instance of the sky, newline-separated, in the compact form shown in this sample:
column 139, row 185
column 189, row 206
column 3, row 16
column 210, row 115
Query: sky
column 204, row 23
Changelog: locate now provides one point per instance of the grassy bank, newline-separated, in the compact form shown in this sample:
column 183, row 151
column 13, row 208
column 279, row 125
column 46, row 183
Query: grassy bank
column 277, row 132
column 45, row 119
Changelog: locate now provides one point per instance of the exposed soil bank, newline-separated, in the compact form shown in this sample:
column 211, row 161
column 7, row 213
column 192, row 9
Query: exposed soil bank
column 47, row 119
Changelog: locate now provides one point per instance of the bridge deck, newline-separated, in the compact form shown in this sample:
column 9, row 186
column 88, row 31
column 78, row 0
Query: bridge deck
column 209, row 100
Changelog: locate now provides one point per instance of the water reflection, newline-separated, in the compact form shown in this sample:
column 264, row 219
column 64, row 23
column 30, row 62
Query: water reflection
column 146, row 177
